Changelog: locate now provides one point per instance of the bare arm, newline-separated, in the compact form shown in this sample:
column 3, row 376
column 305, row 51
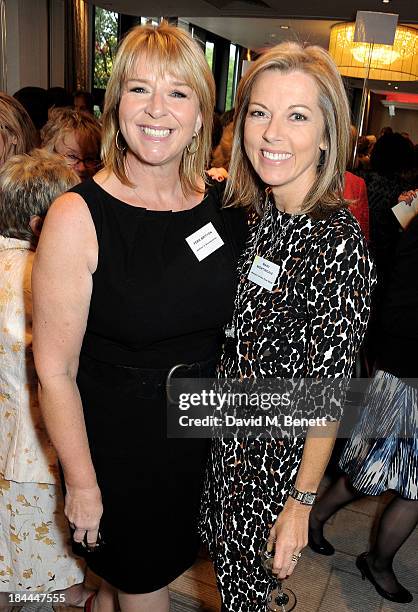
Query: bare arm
column 291, row 527
column 65, row 259
column 343, row 298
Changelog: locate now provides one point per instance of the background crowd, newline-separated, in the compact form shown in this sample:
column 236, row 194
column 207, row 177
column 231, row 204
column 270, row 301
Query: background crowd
column 50, row 141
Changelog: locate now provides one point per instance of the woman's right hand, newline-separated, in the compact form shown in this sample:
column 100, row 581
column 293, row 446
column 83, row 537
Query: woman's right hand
column 409, row 197
column 84, row 509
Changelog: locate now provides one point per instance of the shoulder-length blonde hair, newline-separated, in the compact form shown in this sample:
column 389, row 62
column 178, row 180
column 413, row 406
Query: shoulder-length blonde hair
column 244, row 187
column 167, row 49
column 16, row 125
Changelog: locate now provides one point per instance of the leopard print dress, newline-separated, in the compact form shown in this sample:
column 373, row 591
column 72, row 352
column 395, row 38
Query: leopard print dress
column 310, row 325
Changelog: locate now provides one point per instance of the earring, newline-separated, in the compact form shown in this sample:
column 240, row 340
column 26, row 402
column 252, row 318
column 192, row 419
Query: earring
column 119, row 148
column 194, row 145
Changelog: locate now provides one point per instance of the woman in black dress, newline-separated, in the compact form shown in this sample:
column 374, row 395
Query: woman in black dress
column 121, row 298
column 301, row 308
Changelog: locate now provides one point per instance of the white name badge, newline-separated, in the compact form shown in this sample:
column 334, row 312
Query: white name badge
column 205, row 241
column 263, row 272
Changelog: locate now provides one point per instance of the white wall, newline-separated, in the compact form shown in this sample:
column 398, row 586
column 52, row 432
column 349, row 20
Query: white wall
column 27, row 43
column 405, row 120
column 57, row 51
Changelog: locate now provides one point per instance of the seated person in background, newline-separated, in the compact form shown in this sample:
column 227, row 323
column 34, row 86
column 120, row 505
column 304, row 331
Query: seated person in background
column 76, row 136
column 34, row 538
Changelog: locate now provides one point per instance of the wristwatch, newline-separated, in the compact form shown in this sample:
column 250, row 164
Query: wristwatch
column 307, row 498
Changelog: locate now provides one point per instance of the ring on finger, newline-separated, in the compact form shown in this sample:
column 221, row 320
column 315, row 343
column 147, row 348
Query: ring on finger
column 296, row 557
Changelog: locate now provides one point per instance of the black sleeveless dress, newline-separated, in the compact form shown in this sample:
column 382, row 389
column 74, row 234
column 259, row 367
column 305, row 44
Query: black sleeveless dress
column 153, row 305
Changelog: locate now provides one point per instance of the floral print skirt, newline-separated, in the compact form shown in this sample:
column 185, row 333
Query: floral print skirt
column 35, row 548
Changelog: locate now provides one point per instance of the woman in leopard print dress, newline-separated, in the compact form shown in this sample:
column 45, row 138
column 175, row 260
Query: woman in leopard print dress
column 288, row 161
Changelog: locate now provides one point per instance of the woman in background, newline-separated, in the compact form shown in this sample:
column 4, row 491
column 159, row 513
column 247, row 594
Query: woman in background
column 76, row 136
column 34, row 543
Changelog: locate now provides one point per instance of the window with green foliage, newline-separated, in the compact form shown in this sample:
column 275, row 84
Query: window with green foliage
column 105, row 45
column 230, row 93
column 154, row 21
column 209, row 53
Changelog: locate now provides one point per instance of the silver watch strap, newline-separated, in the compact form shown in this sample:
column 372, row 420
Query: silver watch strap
column 307, row 498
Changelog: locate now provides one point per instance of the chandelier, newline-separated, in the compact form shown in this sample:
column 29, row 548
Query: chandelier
column 398, row 62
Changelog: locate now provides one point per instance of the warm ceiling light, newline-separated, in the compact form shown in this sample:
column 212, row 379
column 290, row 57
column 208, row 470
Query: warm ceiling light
column 283, row 27
column 385, row 1
column 398, row 62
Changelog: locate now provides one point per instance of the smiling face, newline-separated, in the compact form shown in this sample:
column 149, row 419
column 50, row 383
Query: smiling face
column 283, row 133
column 158, row 117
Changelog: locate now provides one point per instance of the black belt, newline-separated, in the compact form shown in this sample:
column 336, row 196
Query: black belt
column 158, row 377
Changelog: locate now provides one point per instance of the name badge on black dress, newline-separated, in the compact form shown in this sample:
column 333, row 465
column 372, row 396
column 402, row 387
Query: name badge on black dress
column 205, row 241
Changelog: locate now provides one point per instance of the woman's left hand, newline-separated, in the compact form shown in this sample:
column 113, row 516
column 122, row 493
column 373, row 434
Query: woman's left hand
column 289, row 535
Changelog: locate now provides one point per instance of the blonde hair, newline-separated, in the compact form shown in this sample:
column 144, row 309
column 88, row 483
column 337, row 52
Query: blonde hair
column 29, row 183
column 66, row 120
column 244, row 187
column 15, row 123
column 167, row 49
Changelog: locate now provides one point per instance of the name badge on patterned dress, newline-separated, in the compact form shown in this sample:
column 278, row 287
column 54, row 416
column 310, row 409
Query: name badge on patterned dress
column 263, row 272
column 205, row 241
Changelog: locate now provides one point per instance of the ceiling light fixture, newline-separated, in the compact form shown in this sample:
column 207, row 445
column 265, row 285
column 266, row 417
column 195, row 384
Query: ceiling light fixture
column 284, row 27
column 398, row 62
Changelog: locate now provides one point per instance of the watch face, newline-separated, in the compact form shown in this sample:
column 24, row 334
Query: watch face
column 309, row 498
